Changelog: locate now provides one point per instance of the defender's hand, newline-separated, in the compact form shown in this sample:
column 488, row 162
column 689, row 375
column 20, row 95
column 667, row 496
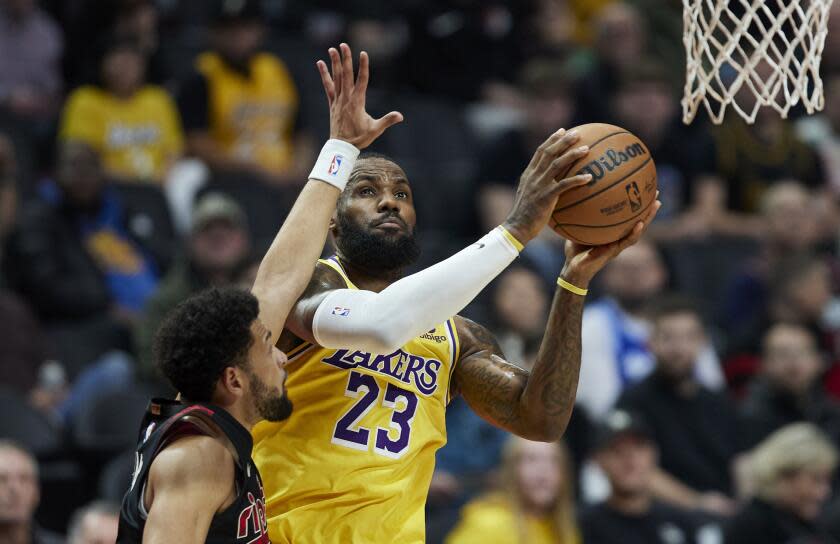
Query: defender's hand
column 539, row 189
column 348, row 119
column 583, row 262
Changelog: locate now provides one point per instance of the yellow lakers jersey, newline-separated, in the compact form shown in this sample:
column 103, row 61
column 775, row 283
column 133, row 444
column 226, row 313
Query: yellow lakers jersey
column 354, row 461
column 252, row 118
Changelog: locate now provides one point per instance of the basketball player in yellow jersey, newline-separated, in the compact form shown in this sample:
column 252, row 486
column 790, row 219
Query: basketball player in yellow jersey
column 375, row 357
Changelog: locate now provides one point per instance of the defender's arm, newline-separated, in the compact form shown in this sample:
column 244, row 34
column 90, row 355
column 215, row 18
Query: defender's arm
column 189, row 482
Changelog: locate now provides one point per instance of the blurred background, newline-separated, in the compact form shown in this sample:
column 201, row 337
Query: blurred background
column 152, row 148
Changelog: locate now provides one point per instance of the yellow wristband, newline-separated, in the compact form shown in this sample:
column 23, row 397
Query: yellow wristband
column 512, row 239
column 571, row 288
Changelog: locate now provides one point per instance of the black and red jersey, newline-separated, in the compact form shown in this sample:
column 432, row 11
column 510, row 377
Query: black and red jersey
column 165, row 421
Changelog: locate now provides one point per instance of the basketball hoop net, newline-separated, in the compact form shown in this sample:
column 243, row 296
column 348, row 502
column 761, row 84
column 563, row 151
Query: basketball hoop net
column 753, row 53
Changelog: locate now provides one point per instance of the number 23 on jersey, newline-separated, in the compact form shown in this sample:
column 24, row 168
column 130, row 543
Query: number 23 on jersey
column 390, row 442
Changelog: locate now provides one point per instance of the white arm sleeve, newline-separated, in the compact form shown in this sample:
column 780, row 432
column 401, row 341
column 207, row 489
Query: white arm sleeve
column 382, row 322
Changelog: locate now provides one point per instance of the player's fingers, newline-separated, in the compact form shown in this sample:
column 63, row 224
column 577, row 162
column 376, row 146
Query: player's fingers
column 364, row 74
column 561, row 145
column 335, row 60
column 559, row 165
column 387, row 120
column 567, row 184
column 538, row 154
column 326, row 81
column 346, row 67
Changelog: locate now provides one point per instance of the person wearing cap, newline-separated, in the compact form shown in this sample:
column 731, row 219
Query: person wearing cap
column 241, row 106
column 625, row 451
column 218, row 244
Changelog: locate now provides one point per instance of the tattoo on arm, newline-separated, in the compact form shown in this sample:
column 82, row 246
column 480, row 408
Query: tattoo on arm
column 491, row 385
column 534, row 405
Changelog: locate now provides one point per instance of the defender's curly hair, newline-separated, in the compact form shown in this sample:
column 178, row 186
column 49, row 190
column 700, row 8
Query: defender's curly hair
column 204, row 335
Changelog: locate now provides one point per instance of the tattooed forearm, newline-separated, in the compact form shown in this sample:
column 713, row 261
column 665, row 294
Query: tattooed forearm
column 553, row 383
column 493, row 390
column 536, row 406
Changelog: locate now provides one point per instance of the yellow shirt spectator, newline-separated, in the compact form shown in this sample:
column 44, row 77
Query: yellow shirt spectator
column 138, row 137
column 535, row 504
column 492, row 520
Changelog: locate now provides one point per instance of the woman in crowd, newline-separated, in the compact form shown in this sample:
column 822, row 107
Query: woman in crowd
column 535, row 504
column 790, row 475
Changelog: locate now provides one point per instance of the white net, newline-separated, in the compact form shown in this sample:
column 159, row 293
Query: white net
column 753, row 53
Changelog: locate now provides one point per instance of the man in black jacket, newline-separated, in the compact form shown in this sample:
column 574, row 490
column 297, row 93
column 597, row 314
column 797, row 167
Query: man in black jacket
column 696, row 429
column 788, row 388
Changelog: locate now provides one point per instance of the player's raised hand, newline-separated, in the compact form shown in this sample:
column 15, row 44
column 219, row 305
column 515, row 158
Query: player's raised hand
column 539, row 187
column 346, row 96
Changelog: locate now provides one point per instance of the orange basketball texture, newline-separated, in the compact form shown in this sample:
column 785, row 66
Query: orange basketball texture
column 622, row 189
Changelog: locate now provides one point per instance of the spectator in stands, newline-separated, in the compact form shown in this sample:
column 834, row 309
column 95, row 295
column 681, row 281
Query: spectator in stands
column 96, row 523
column 789, row 228
column 693, row 197
column 695, row 429
column 620, row 41
column 520, row 308
column 788, row 389
column 790, row 473
column 752, row 158
column 218, row 245
column 239, row 110
column 133, row 126
column 19, row 497
column 30, row 71
column 615, row 331
column 799, row 291
column 536, row 504
column 626, row 452
column 72, row 256
column 137, row 21
column 552, row 28
column 546, row 102
column 23, row 348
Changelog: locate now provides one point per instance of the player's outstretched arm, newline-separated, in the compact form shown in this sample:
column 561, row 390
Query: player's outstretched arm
column 382, row 322
column 189, row 482
column 287, row 267
column 536, row 405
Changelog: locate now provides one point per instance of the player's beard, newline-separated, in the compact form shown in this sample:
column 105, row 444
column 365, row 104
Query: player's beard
column 373, row 250
column 270, row 405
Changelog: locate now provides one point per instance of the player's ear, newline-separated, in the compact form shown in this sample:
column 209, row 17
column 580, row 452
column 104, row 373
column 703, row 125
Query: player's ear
column 232, row 382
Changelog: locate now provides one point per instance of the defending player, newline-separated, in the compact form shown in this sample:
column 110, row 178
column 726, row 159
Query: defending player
column 375, row 358
column 194, row 480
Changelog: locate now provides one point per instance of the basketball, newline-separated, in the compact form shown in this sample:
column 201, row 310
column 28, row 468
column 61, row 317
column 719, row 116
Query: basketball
column 622, row 189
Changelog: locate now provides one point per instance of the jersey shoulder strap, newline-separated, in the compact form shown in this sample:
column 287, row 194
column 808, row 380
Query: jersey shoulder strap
column 334, row 263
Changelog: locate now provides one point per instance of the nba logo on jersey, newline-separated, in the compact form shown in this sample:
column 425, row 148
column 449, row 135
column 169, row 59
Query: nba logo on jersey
column 335, row 165
column 343, row 312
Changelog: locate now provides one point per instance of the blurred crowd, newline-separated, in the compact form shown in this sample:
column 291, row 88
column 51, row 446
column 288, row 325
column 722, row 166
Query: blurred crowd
column 151, row 148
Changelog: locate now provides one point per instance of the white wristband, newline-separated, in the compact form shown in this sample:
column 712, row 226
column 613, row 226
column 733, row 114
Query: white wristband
column 335, row 163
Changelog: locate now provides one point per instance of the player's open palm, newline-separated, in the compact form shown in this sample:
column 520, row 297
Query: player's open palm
column 346, row 96
column 539, row 186
column 585, row 261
